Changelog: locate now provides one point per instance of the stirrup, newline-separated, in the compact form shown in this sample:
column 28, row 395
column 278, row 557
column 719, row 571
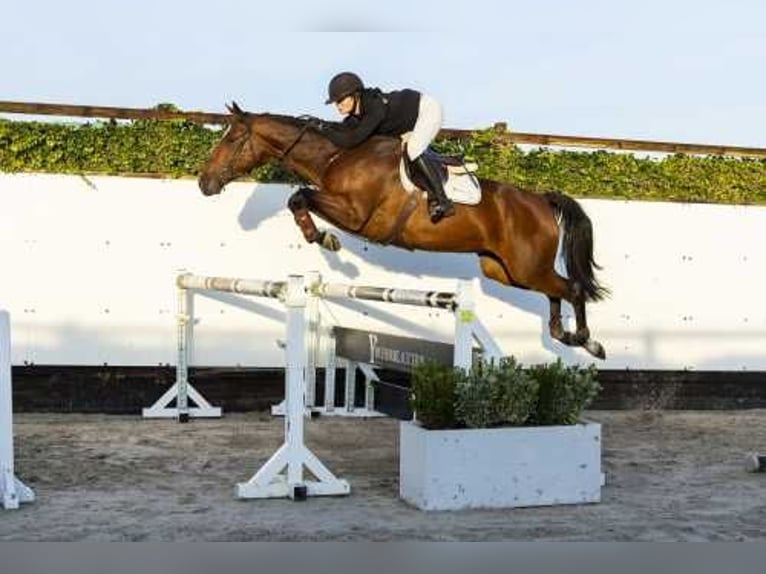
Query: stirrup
column 438, row 211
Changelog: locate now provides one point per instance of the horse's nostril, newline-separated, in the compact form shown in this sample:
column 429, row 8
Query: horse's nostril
column 207, row 185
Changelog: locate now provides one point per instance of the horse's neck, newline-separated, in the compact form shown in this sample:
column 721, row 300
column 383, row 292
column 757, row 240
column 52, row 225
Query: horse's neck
column 308, row 157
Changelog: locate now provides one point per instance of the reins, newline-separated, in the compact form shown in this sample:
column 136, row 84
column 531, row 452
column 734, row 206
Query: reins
column 298, row 138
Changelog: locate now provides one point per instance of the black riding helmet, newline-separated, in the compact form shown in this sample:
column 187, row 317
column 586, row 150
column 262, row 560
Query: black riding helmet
column 342, row 85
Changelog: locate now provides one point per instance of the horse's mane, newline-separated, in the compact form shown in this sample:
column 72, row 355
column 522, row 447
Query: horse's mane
column 300, row 121
column 294, row 121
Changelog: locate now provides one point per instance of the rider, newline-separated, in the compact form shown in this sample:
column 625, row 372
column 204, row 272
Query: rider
column 371, row 112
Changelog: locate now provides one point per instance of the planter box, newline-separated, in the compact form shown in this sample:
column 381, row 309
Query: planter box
column 500, row 467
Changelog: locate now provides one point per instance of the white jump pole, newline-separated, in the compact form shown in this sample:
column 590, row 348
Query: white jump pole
column 282, row 475
column 12, row 490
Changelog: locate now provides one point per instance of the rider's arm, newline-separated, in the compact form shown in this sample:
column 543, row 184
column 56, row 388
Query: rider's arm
column 353, row 131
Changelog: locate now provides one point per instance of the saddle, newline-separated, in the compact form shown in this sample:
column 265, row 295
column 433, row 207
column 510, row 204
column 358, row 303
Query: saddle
column 460, row 182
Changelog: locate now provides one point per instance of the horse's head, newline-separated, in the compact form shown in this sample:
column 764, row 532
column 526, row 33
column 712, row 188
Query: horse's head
column 238, row 152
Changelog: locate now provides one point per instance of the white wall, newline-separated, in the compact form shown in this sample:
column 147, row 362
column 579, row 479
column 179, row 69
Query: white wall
column 88, row 267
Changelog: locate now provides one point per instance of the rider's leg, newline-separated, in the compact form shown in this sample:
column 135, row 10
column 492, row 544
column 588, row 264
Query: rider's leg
column 426, row 128
column 439, row 205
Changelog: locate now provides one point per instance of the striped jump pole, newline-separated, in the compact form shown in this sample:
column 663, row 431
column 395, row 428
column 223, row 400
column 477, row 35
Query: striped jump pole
column 271, row 289
column 12, row 490
column 418, row 298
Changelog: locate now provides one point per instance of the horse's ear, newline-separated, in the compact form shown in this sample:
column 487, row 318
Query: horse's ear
column 235, row 109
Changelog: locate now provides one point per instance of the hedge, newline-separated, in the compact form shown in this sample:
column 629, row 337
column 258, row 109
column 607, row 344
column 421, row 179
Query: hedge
column 179, row 148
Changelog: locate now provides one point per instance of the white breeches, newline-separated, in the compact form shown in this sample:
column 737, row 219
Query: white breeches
column 427, row 126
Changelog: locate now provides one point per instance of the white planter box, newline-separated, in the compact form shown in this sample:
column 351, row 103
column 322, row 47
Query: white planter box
column 500, row 467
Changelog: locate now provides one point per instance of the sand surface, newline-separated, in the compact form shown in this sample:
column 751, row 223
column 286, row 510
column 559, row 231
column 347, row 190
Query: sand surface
column 671, row 476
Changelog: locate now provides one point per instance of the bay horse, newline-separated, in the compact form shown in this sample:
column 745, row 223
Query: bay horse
column 514, row 232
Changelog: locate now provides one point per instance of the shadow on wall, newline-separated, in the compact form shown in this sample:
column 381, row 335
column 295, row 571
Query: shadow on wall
column 266, row 201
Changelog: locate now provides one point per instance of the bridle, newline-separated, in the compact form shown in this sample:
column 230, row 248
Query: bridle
column 309, row 121
column 228, row 172
column 301, row 132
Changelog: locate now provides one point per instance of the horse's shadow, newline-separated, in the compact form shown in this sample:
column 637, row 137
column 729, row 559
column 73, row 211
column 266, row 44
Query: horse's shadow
column 261, row 206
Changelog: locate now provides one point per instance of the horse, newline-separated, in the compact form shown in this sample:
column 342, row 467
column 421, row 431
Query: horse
column 514, row 232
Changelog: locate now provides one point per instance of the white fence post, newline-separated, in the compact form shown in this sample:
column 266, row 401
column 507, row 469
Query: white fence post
column 469, row 328
column 12, row 490
column 312, row 335
column 184, row 325
column 465, row 316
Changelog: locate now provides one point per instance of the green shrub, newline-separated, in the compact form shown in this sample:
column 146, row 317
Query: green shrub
column 502, row 393
column 432, row 394
column 563, row 392
column 495, row 394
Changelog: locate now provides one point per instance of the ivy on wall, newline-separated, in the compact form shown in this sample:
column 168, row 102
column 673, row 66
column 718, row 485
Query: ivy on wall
column 686, row 178
column 179, row 148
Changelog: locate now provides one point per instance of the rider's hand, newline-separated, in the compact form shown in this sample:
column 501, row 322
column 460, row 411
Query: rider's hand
column 317, row 124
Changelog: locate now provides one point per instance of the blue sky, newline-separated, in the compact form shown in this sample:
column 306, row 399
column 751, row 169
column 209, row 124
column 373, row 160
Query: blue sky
column 685, row 70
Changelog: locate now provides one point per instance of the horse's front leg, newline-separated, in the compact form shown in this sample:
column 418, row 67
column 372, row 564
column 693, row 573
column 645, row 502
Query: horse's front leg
column 299, row 205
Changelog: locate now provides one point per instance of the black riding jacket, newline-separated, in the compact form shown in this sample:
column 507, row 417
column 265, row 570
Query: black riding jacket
column 390, row 114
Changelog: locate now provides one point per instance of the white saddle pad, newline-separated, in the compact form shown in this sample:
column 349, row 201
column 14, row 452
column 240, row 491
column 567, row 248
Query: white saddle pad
column 462, row 184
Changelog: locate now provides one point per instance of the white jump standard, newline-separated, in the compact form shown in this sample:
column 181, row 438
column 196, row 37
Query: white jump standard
column 12, row 490
column 182, row 390
column 283, row 474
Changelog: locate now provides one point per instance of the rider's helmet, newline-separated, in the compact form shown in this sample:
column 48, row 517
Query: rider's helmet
column 342, row 85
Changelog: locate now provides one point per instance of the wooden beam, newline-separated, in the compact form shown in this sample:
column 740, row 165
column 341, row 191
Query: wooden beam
column 508, row 136
column 109, row 112
column 635, row 145
column 615, row 144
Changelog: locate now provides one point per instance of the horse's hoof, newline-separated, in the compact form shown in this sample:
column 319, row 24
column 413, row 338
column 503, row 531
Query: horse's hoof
column 595, row 348
column 329, row 241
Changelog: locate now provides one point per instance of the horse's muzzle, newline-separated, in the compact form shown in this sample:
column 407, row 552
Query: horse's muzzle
column 209, row 185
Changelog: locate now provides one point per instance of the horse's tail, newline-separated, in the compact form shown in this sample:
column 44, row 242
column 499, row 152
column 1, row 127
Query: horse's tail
column 577, row 244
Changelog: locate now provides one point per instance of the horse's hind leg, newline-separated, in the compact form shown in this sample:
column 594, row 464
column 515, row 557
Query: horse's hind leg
column 557, row 288
column 572, row 292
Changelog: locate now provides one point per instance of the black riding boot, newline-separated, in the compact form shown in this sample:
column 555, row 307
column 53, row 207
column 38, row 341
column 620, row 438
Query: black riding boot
column 439, row 205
